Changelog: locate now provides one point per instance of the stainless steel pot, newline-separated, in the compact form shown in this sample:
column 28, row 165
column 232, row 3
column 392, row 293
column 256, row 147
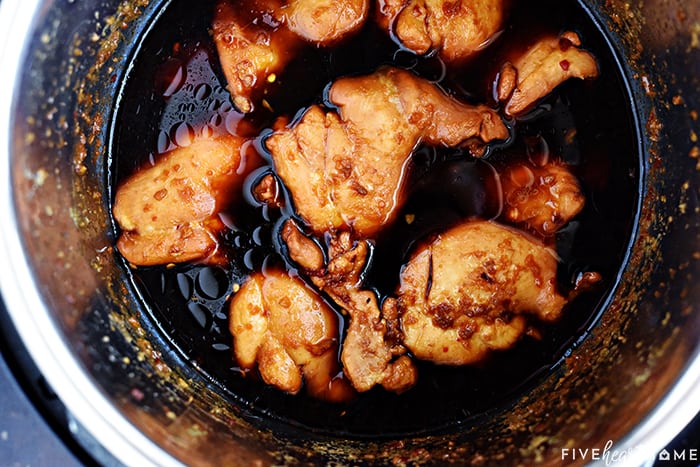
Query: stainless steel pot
column 630, row 386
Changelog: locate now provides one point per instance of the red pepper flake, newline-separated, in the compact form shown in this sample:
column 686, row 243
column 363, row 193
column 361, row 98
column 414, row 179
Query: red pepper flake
column 564, row 64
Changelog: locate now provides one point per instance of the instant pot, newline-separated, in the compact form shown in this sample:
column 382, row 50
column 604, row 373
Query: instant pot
column 627, row 388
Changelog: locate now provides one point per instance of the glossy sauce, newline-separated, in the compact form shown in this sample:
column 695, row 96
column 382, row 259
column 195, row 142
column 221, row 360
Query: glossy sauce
column 176, row 92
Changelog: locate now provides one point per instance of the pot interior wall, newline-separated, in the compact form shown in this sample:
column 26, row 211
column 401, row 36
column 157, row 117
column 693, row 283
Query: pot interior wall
column 604, row 388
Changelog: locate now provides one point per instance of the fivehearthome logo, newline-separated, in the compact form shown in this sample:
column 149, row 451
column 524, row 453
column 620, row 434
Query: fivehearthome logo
column 609, row 455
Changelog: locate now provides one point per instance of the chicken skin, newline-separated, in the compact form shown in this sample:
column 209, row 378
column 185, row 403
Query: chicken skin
column 256, row 39
column 533, row 74
column 542, row 199
column 168, row 211
column 456, row 29
column 467, row 292
column 372, row 353
column 286, row 328
column 346, row 168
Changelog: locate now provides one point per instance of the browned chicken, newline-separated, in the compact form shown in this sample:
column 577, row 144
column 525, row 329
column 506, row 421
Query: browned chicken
column 457, row 29
column 345, row 168
column 256, row 39
column 325, row 22
column 531, row 75
column 540, row 198
column 267, row 191
column 372, row 353
column 284, row 327
column 168, row 212
column 468, row 292
column 253, row 46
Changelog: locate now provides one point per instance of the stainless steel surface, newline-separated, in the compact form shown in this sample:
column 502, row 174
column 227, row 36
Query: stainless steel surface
column 23, row 298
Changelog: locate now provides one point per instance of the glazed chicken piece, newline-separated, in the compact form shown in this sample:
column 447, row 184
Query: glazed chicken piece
column 372, row 353
column 345, row 168
column 256, row 39
column 542, row 199
column 253, row 46
column 456, row 29
column 534, row 73
column 168, row 211
column 468, row 292
column 325, row 22
column 286, row 328
column 266, row 191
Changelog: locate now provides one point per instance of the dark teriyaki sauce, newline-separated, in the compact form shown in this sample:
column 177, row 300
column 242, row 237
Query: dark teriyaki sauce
column 175, row 91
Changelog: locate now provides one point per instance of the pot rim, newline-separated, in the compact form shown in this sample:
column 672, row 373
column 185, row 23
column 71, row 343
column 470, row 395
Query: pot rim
column 90, row 406
column 85, row 402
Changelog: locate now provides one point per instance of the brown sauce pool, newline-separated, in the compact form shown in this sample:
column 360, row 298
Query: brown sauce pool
column 175, row 90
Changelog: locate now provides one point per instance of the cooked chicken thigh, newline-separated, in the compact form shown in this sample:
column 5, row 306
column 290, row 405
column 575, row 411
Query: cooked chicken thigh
column 541, row 198
column 168, row 212
column 468, row 292
column 284, row 327
column 325, row 22
column 256, row 39
column 253, row 46
column 531, row 75
column 372, row 353
column 345, row 168
column 456, row 29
